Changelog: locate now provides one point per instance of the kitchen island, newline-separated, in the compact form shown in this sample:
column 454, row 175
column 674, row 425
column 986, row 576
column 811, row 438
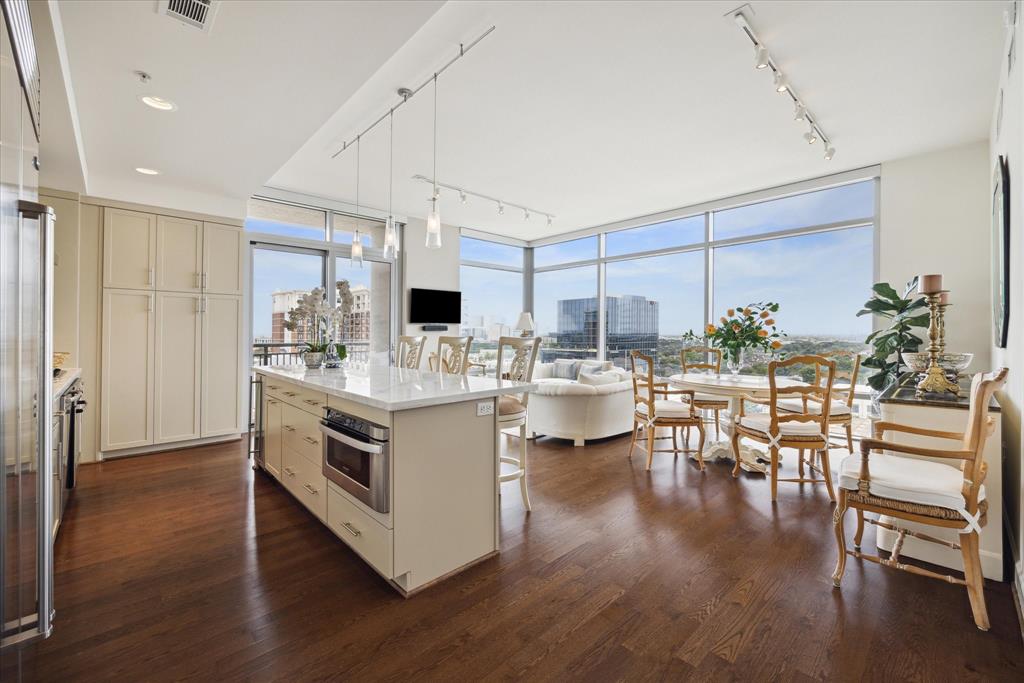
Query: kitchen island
column 402, row 465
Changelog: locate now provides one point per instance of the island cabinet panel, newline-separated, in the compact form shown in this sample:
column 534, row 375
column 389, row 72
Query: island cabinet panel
column 362, row 533
column 445, row 490
column 305, row 480
column 272, row 437
column 301, row 433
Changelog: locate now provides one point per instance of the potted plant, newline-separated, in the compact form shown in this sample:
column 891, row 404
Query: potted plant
column 313, row 356
column 742, row 328
column 889, row 343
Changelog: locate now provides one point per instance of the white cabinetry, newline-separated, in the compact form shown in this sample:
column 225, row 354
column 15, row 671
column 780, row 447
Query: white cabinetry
column 172, row 330
column 179, row 254
column 272, row 437
column 222, row 373
column 129, row 249
column 126, row 410
column 178, row 373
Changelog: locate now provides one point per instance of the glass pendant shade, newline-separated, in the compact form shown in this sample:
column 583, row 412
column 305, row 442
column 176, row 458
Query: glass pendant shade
column 357, row 249
column 433, row 227
column 390, row 238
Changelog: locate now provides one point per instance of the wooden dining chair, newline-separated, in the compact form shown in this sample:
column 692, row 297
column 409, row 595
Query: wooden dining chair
column 513, row 408
column 650, row 411
column 410, row 351
column 780, row 429
column 452, row 356
column 947, row 496
column 841, row 412
column 712, row 360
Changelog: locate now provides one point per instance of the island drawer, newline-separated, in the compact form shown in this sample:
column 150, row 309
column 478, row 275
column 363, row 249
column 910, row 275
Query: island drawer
column 274, row 387
column 305, row 481
column 363, row 533
column 301, row 433
column 306, row 399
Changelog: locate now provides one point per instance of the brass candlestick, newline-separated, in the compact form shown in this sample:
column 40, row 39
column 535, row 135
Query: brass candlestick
column 935, row 380
column 942, row 306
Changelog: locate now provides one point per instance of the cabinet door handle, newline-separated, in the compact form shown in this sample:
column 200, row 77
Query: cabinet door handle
column 288, row 428
column 271, row 402
column 309, row 487
column 351, row 529
column 273, row 386
column 290, row 393
column 289, row 471
column 149, row 303
column 204, row 280
column 310, row 440
column 202, row 304
column 311, row 401
column 150, row 276
column 198, row 282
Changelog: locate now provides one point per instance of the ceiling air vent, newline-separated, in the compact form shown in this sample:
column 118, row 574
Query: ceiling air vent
column 195, row 13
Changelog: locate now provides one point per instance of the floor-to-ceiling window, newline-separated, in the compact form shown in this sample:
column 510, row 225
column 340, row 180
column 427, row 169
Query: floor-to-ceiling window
column 491, row 280
column 302, row 255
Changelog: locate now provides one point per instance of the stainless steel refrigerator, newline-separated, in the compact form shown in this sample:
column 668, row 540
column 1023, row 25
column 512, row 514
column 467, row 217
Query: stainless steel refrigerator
column 26, row 276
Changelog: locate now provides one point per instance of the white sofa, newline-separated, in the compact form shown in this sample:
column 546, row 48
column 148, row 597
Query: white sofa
column 580, row 410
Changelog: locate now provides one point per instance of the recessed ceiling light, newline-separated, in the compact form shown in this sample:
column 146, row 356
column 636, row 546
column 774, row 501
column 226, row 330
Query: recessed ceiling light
column 147, row 171
column 158, row 103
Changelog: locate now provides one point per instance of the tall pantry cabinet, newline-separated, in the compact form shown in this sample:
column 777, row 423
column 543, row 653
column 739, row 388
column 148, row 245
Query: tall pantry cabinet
column 172, row 329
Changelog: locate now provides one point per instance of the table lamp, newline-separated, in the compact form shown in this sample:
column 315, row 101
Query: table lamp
column 525, row 323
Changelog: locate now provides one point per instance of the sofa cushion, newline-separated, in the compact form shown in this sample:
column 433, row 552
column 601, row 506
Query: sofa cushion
column 595, row 366
column 666, row 409
column 566, row 369
column 795, row 405
column 509, row 405
column 908, row 479
column 599, row 378
column 761, row 422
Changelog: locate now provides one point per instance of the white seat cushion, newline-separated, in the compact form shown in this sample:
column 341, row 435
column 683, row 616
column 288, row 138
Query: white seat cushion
column 665, row 409
column 509, row 406
column 795, row 405
column 911, row 480
column 761, row 422
column 710, row 398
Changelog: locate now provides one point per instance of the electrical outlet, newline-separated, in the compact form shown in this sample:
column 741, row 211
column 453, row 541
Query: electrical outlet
column 484, row 408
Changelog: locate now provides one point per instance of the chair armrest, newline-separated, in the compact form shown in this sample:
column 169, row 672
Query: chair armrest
column 880, row 428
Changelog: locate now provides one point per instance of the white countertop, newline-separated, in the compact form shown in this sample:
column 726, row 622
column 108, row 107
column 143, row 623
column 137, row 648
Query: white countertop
column 390, row 388
column 62, row 381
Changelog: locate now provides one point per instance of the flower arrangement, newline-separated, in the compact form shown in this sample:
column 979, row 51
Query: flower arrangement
column 746, row 327
column 321, row 323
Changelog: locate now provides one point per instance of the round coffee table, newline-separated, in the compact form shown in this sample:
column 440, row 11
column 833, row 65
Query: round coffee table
column 732, row 387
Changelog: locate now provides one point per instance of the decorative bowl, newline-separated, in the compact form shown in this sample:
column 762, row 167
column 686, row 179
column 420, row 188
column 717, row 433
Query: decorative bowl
column 917, row 362
column 955, row 362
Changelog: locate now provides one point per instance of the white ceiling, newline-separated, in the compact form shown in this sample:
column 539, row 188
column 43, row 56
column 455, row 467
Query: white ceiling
column 602, row 111
column 593, row 111
column 249, row 93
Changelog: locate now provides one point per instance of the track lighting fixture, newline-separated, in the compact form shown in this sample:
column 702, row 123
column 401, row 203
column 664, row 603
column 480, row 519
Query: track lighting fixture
column 390, row 233
column 501, row 209
column 526, row 215
column 762, row 60
column 462, row 196
column 761, row 57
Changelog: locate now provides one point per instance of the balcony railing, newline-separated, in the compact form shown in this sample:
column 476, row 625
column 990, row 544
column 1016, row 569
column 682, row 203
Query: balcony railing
column 290, row 353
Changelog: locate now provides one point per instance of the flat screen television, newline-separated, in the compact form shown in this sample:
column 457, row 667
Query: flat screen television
column 434, row 306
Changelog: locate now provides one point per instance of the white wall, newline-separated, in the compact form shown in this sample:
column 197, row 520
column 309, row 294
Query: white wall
column 1010, row 143
column 428, row 269
column 934, row 218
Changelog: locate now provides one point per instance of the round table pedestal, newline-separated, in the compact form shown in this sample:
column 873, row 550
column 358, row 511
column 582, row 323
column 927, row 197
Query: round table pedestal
column 751, row 459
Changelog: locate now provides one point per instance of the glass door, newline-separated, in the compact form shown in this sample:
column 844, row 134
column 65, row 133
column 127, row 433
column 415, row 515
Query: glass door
column 284, row 280
column 364, row 294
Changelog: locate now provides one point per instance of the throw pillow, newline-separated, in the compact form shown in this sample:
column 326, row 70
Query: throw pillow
column 565, row 368
column 595, row 365
column 598, row 378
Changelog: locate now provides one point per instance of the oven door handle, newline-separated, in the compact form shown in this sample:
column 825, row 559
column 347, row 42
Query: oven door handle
column 348, row 440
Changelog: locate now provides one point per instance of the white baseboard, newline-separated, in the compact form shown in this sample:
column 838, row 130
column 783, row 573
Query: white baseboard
column 162, row 447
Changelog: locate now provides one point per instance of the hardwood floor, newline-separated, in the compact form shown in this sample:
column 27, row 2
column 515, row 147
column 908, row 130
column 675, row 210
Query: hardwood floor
column 190, row 566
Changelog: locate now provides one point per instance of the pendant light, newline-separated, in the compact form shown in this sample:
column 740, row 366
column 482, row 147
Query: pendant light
column 390, row 234
column 357, row 239
column 434, row 217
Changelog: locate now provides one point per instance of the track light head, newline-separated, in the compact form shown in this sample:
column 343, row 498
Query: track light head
column 800, row 113
column 462, row 196
column 501, row 209
column 761, row 57
column 830, row 152
column 526, row 214
column 780, row 82
column 811, row 136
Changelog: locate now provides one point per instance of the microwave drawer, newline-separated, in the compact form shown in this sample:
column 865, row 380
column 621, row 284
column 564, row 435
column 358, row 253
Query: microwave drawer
column 305, row 481
column 300, row 431
column 361, row 532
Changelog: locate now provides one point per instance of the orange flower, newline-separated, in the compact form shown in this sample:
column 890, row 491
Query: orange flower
column 776, row 344
column 736, row 327
column 731, row 312
column 765, row 314
column 769, row 321
column 746, row 311
column 724, row 321
column 710, row 329
column 762, row 333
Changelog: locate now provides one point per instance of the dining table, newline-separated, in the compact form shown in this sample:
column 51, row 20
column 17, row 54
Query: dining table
column 733, row 387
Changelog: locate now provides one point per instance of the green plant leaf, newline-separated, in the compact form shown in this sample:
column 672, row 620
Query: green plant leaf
column 885, row 289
